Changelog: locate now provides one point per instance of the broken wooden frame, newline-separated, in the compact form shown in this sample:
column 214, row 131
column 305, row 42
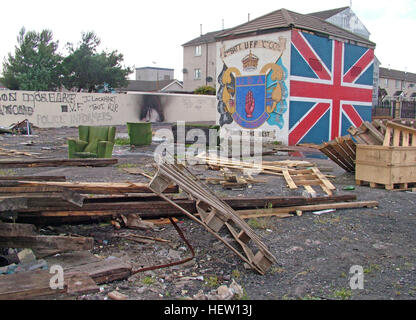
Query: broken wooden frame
column 214, row 215
column 308, row 178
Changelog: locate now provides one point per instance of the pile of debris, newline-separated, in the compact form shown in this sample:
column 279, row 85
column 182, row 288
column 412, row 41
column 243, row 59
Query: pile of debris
column 381, row 154
column 53, row 200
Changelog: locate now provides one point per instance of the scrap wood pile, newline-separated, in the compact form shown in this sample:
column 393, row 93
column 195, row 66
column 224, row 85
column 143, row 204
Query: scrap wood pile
column 44, row 200
column 342, row 150
column 295, row 173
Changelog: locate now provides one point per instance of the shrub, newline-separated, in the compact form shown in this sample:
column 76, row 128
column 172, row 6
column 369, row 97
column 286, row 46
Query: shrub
column 208, row 90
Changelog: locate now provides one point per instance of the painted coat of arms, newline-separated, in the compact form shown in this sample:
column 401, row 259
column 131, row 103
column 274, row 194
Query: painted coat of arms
column 252, row 100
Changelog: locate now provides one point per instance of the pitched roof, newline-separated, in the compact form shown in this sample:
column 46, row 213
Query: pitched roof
column 205, row 38
column 397, row 75
column 146, row 86
column 327, row 13
column 283, row 18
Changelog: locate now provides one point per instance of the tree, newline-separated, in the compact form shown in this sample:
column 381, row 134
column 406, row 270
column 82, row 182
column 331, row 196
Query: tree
column 35, row 64
column 84, row 68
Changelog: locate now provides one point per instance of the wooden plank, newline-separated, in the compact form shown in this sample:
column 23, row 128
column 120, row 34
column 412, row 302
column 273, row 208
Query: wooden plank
column 16, row 229
column 57, row 163
column 62, row 243
column 387, row 136
column 340, row 205
column 400, row 127
column 374, row 132
column 26, row 285
column 80, row 283
column 325, row 150
column 324, row 180
column 81, row 187
column 289, row 179
column 33, row 178
column 103, row 271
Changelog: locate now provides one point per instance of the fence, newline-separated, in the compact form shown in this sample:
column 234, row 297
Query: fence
column 384, row 109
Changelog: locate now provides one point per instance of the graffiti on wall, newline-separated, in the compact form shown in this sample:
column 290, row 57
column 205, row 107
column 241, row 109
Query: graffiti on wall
column 250, row 100
column 66, row 108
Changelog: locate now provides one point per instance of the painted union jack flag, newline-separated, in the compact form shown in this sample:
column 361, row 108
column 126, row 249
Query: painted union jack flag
column 331, row 85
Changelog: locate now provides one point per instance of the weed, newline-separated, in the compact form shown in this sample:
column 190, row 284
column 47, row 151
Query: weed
column 7, row 172
column 245, row 295
column 256, row 223
column 309, row 297
column 343, row 275
column 126, row 165
column 212, row 282
column 275, row 270
column 371, row 269
column 342, row 294
column 122, row 141
column 235, row 274
column 148, row 280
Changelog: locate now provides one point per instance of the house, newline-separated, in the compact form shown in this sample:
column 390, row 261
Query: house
column 154, row 74
column 297, row 77
column 345, row 18
column 395, row 84
column 166, row 86
column 199, row 61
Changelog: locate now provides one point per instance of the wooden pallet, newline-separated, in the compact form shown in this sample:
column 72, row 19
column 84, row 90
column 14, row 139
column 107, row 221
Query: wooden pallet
column 215, row 215
column 367, row 133
column 399, row 135
column 307, row 179
column 393, row 186
column 341, row 150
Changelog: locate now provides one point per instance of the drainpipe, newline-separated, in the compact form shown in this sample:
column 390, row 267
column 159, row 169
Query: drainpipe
column 206, row 64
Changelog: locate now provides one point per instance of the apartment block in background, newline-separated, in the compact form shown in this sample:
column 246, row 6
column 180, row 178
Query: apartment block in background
column 199, row 61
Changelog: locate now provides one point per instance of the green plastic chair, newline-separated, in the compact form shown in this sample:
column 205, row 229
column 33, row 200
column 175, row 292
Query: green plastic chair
column 93, row 142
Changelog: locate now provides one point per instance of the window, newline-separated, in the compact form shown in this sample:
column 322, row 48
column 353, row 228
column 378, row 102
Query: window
column 398, row 82
column 197, row 74
column 198, row 50
column 411, row 85
column 386, row 82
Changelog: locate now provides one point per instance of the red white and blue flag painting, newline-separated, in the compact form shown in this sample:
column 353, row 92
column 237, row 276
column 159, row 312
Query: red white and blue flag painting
column 331, row 85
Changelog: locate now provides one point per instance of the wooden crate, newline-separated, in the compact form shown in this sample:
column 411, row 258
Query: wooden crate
column 385, row 165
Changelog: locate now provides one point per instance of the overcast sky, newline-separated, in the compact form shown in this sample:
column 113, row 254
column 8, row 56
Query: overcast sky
column 151, row 32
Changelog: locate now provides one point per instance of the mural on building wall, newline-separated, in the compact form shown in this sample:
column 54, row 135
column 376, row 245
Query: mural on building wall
column 251, row 93
column 331, row 85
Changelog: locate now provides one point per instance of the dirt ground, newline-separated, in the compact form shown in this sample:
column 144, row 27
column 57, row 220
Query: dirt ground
column 314, row 252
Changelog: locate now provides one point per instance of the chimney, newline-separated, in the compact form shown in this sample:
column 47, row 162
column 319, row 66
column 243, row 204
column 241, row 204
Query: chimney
column 200, row 26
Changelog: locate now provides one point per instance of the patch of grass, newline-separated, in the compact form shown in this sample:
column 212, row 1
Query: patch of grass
column 256, row 223
column 275, row 270
column 343, row 275
column 277, row 143
column 7, row 172
column 372, row 268
column 212, row 282
column 245, row 295
column 126, row 165
column 235, row 274
column 343, row 294
column 261, row 223
column 310, row 297
column 122, row 141
column 148, row 280
column 326, row 220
